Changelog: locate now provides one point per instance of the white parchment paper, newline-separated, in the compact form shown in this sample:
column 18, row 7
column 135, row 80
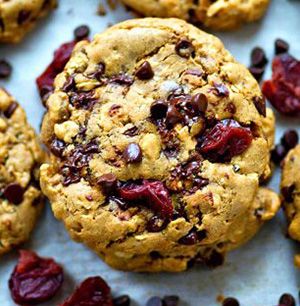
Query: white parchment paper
column 256, row 274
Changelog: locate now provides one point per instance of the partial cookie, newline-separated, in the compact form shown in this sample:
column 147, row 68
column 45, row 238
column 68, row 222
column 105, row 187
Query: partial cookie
column 17, row 17
column 20, row 158
column 159, row 141
column 290, row 190
column 218, row 15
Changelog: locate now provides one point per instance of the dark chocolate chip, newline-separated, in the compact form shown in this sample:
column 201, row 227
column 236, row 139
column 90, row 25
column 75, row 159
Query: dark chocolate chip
column 159, row 109
column 57, row 147
column 123, row 300
column 260, row 104
column 154, row 301
column 171, row 300
column 11, row 109
column 82, row 32
column 216, row 259
column 278, row 154
column 288, row 193
column 70, row 84
column 99, row 71
column 220, row 90
column 5, row 69
column 257, row 72
column 23, row 16
column 122, row 79
column 108, row 183
column 133, row 131
column 290, row 139
column 13, row 192
column 173, row 116
column 230, row 302
column 156, row 224
column 2, row 27
column 258, row 57
column 190, row 239
column 145, row 72
column 184, row 48
column 199, row 102
column 287, row 300
column 281, row 46
column 133, row 153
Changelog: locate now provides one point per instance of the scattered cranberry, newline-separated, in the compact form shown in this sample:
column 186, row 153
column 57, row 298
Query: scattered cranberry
column 92, row 292
column 283, row 90
column 5, row 69
column 224, row 141
column 35, row 279
column 154, row 193
column 287, row 300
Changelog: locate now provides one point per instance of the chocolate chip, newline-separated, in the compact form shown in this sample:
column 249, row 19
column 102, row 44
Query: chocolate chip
column 230, row 302
column 99, row 71
column 156, row 224
column 288, row 193
column 154, row 301
column 290, row 139
column 23, row 16
column 260, row 104
column 13, row 192
column 199, row 102
column 81, row 32
column 122, row 79
column 281, row 46
column 11, row 109
column 70, row 84
column 2, row 27
column 108, row 183
column 190, row 239
column 145, row 72
column 258, row 57
column 133, row 131
column 159, row 109
column 287, row 300
column 133, row 153
column 257, row 72
column 220, row 90
column 278, row 154
column 171, row 300
column 5, row 69
column 184, row 48
column 123, row 300
column 57, row 147
column 121, row 203
column 173, row 116
column 85, row 100
column 215, row 259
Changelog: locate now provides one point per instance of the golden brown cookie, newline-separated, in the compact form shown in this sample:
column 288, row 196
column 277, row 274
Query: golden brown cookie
column 17, row 17
column 158, row 141
column 217, row 14
column 20, row 158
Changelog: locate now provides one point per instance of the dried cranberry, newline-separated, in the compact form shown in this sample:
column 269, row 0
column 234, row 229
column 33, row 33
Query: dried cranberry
column 224, row 141
column 154, row 193
column 35, row 279
column 283, row 90
column 92, row 292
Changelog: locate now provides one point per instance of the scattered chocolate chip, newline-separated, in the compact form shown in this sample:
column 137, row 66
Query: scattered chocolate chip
column 230, row 301
column 258, row 57
column 23, row 16
column 145, row 72
column 132, row 153
column 122, row 204
column 70, row 84
column 216, row 259
column 184, row 48
column 154, row 301
column 133, row 131
column 220, row 90
column 257, row 72
column 98, row 74
column 114, row 109
column 230, row 108
column 290, row 139
column 190, row 239
column 10, row 110
column 13, row 192
column 171, row 300
column 287, row 300
column 278, row 154
column 108, row 183
column 123, row 300
column 281, row 46
column 84, row 100
column 159, row 109
column 260, row 104
column 173, row 116
column 287, row 193
column 199, row 102
column 5, row 69
column 122, row 79
column 155, row 255
column 156, row 224
column 57, row 147
column 81, row 32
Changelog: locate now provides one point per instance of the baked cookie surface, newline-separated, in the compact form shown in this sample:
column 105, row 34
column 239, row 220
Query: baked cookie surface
column 159, row 142
column 20, row 158
column 17, row 17
column 218, row 15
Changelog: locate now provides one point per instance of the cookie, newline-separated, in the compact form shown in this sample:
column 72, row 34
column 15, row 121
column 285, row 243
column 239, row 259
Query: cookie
column 20, row 158
column 158, row 141
column 17, row 17
column 218, row 15
column 290, row 190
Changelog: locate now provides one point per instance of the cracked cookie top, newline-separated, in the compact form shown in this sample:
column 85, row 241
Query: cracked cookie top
column 153, row 129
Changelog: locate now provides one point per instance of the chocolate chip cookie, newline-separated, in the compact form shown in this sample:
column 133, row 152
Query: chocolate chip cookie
column 20, row 158
column 17, row 17
column 159, row 140
column 215, row 14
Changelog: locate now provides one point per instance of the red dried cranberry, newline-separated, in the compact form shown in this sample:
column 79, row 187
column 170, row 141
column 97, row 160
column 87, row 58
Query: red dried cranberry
column 154, row 193
column 35, row 279
column 224, row 141
column 283, row 90
column 61, row 57
column 92, row 292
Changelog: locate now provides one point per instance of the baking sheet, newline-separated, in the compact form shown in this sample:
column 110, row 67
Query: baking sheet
column 257, row 274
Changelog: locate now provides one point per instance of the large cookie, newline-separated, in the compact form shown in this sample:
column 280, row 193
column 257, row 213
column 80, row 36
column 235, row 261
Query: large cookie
column 17, row 17
column 20, row 158
column 217, row 14
column 159, row 143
